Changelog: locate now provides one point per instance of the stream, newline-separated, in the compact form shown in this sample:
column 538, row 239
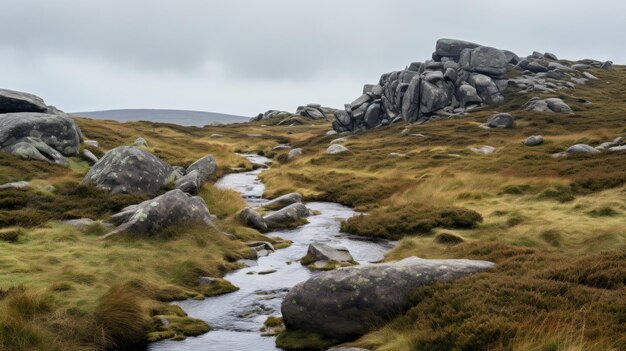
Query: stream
column 236, row 318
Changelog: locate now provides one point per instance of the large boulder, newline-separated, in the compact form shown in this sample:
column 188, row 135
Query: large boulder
column 34, row 149
column 349, row 302
column 16, row 101
column 287, row 217
column 467, row 95
column 283, row 201
column 485, row 60
column 151, row 217
column 58, row 131
column 452, row 47
column 127, row 169
column 205, row 166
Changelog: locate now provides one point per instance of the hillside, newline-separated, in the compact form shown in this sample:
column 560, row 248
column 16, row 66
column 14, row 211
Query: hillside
column 180, row 117
column 445, row 186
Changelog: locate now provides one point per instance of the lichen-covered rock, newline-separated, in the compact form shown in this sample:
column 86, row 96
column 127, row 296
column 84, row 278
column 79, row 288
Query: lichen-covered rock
column 128, row 169
column 485, row 60
column 34, row 149
column 283, row 201
column 153, row 216
column 205, row 166
column 349, row 302
column 452, row 47
column 89, row 156
column 58, row 131
column 287, row 216
column 140, row 142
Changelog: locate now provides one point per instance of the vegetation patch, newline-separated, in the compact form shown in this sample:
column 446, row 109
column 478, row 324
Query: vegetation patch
column 303, row 341
column 396, row 222
column 533, row 300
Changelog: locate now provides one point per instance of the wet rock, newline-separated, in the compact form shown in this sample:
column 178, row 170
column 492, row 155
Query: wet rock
column 35, row 149
column 151, row 217
column 336, row 149
column 320, row 255
column 501, row 120
column 534, row 140
column 14, row 185
column 128, row 169
column 349, row 302
column 288, row 216
column 205, row 166
column 252, row 219
column 57, row 131
column 283, row 201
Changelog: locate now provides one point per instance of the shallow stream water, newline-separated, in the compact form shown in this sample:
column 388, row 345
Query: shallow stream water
column 236, row 318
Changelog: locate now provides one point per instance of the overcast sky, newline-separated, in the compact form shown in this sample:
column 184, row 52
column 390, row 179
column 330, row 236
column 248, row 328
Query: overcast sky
column 245, row 57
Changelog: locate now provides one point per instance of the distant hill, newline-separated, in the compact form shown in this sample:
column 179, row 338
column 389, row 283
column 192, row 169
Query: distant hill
column 180, row 117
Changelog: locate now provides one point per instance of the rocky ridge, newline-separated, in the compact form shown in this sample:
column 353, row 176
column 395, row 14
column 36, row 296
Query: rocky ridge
column 460, row 77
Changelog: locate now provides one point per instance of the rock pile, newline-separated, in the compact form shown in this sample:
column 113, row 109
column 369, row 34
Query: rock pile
column 460, row 77
column 30, row 129
column 289, row 211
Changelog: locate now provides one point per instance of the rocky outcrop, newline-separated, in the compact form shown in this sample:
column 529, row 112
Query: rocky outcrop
column 287, row 217
column 30, row 129
column 153, row 216
column 57, row 131
column 283, row 201
column 127, row 169
column 349, row 302
column 460, row 77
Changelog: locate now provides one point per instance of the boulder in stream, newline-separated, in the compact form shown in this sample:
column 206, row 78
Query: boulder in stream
column 288, row 217
column 283, row 201
column 326, row 257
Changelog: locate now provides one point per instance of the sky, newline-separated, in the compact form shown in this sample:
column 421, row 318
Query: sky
column 244, row 57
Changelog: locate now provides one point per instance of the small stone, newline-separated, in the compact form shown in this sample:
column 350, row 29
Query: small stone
column 534, row 140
